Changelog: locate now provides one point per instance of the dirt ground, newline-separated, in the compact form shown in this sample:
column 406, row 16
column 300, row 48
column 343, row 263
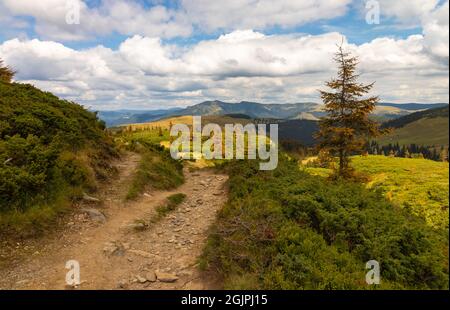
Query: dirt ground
column 113, row 252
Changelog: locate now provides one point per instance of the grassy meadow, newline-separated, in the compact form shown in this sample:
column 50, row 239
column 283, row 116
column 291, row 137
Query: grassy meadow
column 420, row 186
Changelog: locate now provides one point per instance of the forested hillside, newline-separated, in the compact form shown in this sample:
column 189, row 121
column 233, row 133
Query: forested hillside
column 425, row 133
column 407, row 119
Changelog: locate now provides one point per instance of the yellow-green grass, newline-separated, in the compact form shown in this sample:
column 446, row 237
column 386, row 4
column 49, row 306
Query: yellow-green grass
column 187, row 120
column 419, row 185
column 156, row 170
column 154, row 136
column 425, row 131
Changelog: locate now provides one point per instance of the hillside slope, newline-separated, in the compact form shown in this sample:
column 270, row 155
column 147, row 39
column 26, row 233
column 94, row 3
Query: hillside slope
column 407, row 119
column 301, row 110
column 246, row 109
column 252, row 109
column 51, row 150
column 429, row 127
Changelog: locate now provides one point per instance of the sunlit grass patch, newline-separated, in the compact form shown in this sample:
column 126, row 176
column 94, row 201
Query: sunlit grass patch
column 419, row 185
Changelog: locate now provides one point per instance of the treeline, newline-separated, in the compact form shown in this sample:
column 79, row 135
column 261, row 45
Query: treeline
column 404, row 120
column 437, row 153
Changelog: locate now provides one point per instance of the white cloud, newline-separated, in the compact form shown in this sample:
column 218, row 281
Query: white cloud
column 431, row 15
column 407, row 12
column 130, row 17
column 435, row 29
column 242, row 65
column 149, row 55
column 119, row 16
column 260, row 14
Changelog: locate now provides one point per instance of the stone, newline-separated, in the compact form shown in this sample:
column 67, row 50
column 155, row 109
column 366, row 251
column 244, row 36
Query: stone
column 151, row 276
column 123, row 284
column 138, row 226
column 110, row 248
column 86, row 197
column 22, row 282
column 141, row 279
column 94, row 214
column 166, row 277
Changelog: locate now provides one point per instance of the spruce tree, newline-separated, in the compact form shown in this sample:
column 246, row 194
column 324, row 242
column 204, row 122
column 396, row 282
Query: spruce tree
column 346, row 127
column 6, row 73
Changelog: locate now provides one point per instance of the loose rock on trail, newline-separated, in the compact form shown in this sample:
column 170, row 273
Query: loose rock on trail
column 114, row 253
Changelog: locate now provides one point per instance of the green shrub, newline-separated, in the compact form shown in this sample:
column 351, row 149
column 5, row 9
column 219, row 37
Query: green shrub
column 173, row 201
column 50, row 149
column 286, row 229
column 156, row 169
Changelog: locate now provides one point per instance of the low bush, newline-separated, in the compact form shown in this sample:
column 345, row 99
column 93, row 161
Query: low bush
column 51, row 150
column 286, row 229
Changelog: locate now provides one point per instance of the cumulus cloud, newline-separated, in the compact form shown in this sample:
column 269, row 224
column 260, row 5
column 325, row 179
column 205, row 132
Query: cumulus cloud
column 435, row 29
column 260, row 14
column 131, row 17
column 407, row 12
column 110, row 16
column 430, row 15
column 241, row 65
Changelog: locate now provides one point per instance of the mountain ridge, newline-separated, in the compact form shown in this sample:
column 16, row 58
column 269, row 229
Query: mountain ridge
column 287, row 111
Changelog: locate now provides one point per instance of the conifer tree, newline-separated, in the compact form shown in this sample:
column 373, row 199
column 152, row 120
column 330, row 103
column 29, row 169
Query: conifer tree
column 346, row 127
column 6, row 73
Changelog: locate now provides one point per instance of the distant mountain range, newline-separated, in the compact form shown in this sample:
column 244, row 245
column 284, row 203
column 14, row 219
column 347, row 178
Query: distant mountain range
column 289, row 111
column 123, row 117
column 252, row 109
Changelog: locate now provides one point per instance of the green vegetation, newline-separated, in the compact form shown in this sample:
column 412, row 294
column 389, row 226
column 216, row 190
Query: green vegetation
column 420, row 186
column 51, row 151
column 6, row 73
column 156, row 169
column 173, row 201
column 287, row 229
column 425, row 131
column 407, row 119
column 152, row 136
column 346, row 127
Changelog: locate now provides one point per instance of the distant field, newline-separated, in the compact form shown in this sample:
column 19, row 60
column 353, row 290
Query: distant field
column 425, row 131
column 165, row 123
column 420, row 185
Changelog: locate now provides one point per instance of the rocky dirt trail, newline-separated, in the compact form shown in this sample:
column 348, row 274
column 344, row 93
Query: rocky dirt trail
column 113, row 254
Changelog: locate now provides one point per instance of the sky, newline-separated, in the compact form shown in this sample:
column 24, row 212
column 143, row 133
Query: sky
column 151, row 54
